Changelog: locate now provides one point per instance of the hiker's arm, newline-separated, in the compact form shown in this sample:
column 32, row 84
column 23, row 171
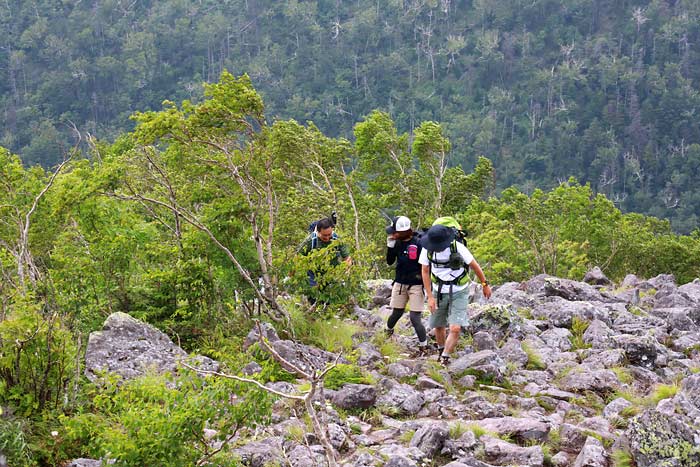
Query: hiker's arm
column 482, row 278
column 427, row 285
column 391, row 252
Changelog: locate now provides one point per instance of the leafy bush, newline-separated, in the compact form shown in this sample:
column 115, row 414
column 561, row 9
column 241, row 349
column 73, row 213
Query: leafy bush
column 578, row 328
column 155, row 420
column 342, row 374
column 37, row 357
column 13, row 443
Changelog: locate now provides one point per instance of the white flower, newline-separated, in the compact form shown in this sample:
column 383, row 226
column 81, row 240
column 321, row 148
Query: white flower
column 54, row 433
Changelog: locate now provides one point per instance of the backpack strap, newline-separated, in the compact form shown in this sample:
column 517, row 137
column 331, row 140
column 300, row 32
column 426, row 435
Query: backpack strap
column 459, row 280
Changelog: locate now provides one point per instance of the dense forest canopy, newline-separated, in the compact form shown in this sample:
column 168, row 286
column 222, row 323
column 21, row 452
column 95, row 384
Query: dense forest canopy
column 603, row 91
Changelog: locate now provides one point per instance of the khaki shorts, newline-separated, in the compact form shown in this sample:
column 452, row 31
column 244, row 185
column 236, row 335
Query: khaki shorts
column 454, row 315
column 411, row 294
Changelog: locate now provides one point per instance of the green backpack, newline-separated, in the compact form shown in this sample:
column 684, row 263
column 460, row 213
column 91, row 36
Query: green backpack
column 455, row 261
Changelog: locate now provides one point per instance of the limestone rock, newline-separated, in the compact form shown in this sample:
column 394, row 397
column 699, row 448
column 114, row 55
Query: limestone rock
column 130, row 348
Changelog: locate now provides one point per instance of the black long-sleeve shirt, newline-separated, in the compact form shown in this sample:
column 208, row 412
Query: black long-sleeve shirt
column 408, row 271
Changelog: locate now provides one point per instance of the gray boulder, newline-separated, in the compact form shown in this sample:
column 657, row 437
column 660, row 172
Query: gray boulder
column 691, row 290
column 592, row 455
column 598, row 334
column 467, row 442
column 486, row 362
column 307, row 456
column 370, row 357
column 639, row 350
column 430, row 438
column 355, row 396
column 261, row 453
column 596, row 277
column 268, row 333
column 483, row 340
column 571, row 290
column 503, row 453
column 380, row 291
column 599, row 381
column 497, row 320
column 512, row 293
column 521, row 429
column 82, row 463
column 130, row 348
column 560, row 312
column 400, row 461
column 557, row 338
column 306, row 357
column 656, row 438
column 403, row 398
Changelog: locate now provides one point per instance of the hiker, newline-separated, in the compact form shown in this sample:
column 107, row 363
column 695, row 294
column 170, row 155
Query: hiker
column 445, row 263
column 404, row 249
column 323, row 236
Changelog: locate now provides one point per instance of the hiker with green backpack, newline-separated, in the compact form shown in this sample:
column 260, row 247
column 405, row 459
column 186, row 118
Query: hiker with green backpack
column 445, row 265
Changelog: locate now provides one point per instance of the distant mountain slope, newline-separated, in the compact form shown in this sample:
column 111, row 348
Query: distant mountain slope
column 604, row 91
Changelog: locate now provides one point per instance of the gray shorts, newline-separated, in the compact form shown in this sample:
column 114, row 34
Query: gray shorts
column 446, row 315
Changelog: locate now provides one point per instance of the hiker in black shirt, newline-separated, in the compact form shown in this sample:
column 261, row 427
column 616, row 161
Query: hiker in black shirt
column 403, row 247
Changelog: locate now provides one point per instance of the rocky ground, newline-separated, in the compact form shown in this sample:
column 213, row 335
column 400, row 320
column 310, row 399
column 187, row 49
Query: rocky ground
column 551, row 372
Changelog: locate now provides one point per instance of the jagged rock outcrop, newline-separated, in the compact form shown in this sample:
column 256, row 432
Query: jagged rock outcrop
column 130, row 348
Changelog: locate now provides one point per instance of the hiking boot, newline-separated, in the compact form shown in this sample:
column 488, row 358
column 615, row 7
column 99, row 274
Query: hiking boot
column 439, row 352
column 389, row 332
column 444, row 360
column 420, row 351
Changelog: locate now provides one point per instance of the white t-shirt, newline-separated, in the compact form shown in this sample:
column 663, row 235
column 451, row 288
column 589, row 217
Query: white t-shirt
column 444, row 273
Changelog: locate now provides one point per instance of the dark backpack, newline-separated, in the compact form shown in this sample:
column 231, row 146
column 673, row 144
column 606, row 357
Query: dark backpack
column 455, row 260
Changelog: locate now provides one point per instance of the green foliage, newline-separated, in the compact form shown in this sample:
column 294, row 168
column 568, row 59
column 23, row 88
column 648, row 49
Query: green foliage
column 534, row 359
column 458, row 429
column 342, row 374
column 578, row 328
column 13, row 443
column 333, row 334
column 661, row 392
column 621, row 458
column 151, row 421
column 407, row 436
column 624, row 375
column 480, row 431
column 271, row 369
column 564, row 231
column 37, row 357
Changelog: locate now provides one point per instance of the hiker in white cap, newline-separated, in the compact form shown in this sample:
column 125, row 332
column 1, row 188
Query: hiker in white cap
column 404, row 249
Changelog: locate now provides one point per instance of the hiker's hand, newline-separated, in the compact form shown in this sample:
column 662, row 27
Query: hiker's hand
column 432, row 306
column 487, row 291
column 390, row 241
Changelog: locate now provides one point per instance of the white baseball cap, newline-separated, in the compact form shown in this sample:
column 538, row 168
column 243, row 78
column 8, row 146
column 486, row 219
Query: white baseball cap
column 399, row 224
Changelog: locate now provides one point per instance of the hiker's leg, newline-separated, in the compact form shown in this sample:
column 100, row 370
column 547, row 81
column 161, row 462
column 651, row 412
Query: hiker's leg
column 452, row 338
column 457, row 318
column 399, row 298
column 394, row 318
column 416, row 300
column 440, row 336
column 417, row 323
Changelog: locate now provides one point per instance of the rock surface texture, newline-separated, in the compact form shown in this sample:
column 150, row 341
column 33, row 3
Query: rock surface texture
column 558, row 372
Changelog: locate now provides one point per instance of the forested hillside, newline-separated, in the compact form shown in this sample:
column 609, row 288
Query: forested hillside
column 603, row 91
